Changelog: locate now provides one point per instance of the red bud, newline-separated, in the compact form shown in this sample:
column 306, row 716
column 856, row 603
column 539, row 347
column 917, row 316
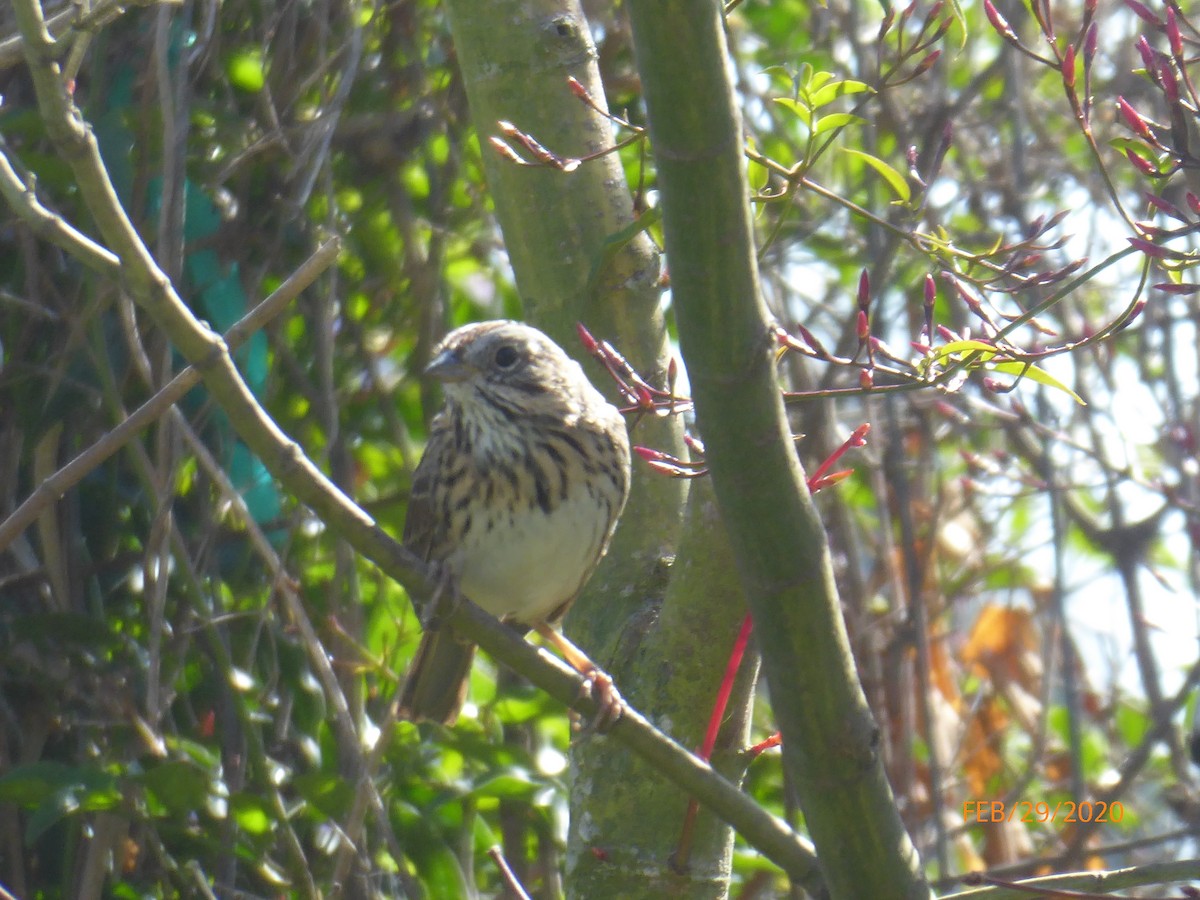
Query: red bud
column 1147, row 53
column 1089, row 43
column 1165, row 206
column 998, row 21
column 829, row 480
column 950, row 412
column 816, row 345
column 927, row 63
column 585, row 338
column 1143, row 13
column 1135, row 121
column 1170, row 84
column 577, row 88
column 498, row 145
column 1148, row 248
column 1173, row 34
column 649, row 454
column 1142, row 164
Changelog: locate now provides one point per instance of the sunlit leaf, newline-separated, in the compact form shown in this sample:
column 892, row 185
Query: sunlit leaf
column 799, row 108
column 895, row 180
column 836, row 120
column 251, row 813
column 1132, row 723
column 835, row 89
column 1041, row 376
column 815, row 80
column 246, row 70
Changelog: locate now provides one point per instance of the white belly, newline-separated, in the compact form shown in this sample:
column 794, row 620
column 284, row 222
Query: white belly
column 526, row 566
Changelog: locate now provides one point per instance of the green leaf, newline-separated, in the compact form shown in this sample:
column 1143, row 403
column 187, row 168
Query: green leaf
column 615, row 242
column 836, row 120
column 815, row 81
column 890, row 175
column 954, row 348
column 1132, row 724
column 440, row 872
column 179, row 785
column 251, row 813
column 1137, row 148
column 513, row 782
column 246, row 70
column 32, row 784
column 960, row 19
column 49, row 813
column 797, row 107
column 54, row 791
column 831, row 92
column 328, row 793
column 1033, row 373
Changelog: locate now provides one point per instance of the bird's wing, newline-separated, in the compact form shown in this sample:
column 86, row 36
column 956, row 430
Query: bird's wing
column 424, row 528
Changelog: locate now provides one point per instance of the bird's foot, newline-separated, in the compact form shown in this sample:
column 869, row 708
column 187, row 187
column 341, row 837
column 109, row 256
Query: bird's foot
column 597, row 684
column 610, row 706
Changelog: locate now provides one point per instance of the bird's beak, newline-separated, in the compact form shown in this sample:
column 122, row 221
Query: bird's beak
column 448, row 366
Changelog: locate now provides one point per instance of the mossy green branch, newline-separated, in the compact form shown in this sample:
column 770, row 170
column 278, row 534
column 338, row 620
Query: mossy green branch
column 831, row 741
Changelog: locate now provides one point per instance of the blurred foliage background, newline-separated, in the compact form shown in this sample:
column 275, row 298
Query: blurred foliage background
column 1018, row 569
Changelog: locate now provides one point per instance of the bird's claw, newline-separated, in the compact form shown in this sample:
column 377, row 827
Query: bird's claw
column 610, row 706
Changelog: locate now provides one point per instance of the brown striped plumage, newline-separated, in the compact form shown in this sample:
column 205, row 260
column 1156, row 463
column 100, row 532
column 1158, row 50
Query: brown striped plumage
column 523, row 479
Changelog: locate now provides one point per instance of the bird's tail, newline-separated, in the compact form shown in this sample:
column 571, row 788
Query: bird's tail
column 437, row 679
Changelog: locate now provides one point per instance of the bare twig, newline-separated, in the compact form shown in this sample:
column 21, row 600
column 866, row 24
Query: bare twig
column 53, row 488
column 21, row 195
column 72, row 21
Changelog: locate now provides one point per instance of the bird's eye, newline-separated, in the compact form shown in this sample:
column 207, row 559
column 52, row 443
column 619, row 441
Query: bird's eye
column 506, row 356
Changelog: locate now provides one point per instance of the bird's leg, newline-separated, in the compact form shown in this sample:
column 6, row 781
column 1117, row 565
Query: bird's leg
column 444, row 600
column 597, row 684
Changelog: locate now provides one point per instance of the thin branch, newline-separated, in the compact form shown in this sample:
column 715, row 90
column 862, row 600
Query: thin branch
column 53, row 488
column 1096, row 883
column 73, row 21
column 21, row 195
